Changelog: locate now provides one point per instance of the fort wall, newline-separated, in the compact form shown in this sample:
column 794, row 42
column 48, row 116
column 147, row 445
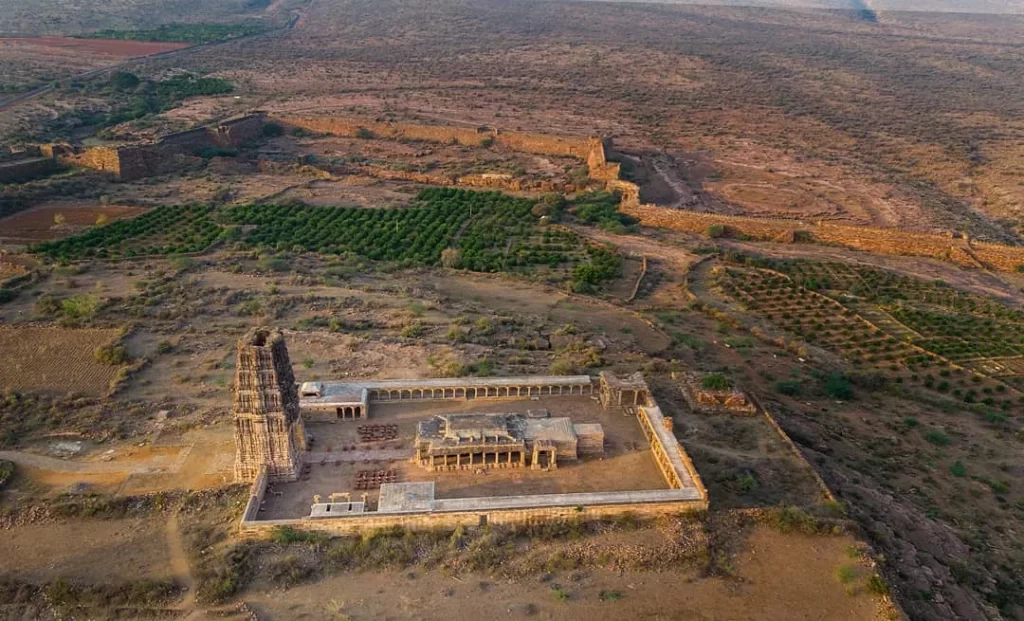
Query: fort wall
column 881, row 241
column 589, row 149
column 963, row 252
column 129, row 162
column 23, row 170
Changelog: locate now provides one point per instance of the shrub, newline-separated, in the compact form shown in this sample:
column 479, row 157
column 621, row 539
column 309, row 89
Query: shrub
column 937, row 438
column 958, row 469
column 272, row 130
column 746, row 483
column 6, row 472
column 877, row 585
column 790, row 388
column 793, row 519
column 113, row 354
column 456, row 335
column 846, row 574
column 80, row 306
column 838, row 387
column 451, row 257
column 288, row 535
column 716, row 381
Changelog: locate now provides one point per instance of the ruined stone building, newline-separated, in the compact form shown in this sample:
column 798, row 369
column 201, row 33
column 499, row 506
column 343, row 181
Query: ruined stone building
column 268, row 424
column 470, row 441
column 713, row 401
column 616, row 391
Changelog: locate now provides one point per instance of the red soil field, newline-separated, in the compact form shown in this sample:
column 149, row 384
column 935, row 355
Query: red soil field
column 39, row 223
column 107, row 47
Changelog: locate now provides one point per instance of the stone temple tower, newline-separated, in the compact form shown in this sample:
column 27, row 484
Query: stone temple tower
column 268, row 423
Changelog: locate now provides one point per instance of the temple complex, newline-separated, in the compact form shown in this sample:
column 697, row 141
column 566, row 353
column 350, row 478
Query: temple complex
column 430, row 440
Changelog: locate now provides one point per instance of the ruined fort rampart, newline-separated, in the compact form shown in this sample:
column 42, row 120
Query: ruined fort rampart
column 958, row 250
column 129, row 162
column 589, row 149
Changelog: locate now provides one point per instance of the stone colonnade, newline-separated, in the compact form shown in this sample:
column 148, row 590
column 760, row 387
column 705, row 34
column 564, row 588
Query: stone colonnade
column 658, row 451
column 351, row 412
column 476, row 459
column 478, row 392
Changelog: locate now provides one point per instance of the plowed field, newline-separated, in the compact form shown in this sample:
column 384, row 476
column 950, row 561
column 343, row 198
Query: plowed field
column 41, row 358
column 41, row 223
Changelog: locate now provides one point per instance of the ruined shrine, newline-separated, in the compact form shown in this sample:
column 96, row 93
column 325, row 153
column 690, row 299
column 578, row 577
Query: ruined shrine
column 713, row 401
column 472, row 441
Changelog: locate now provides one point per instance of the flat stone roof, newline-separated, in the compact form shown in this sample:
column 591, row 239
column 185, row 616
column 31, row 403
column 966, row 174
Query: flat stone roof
column 552, row 429
column 346, row 393
column 336, row 509
column 564, row 500
column 406, row 497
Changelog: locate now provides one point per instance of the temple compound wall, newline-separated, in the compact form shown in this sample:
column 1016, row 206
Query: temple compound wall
column 269, row 434
column 486, row 440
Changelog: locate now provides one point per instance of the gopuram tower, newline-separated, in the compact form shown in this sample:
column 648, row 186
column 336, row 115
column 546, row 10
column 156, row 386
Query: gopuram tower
column 268, row 424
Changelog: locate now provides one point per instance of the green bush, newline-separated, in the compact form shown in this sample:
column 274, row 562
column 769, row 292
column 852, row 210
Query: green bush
column 289, row 535
column 113, row 354
column 716, row 381
column 80, row 306
column 272, row 130
column 6, row 472
column 791, row 388
column 958, row 469
column 838, row 387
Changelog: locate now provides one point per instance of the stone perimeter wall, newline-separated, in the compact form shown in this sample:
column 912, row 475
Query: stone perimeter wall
column 594, row 151
column 648, row 416
column 369, row 522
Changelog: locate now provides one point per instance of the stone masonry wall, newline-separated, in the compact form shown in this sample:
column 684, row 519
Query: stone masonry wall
column 881, row 241
column 129, row 162
column 25, row 169
column 589, row 149
column 449, row 520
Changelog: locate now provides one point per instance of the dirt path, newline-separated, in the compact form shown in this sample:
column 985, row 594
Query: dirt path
column 640, row 245
column 42, row 462
column 181, row 572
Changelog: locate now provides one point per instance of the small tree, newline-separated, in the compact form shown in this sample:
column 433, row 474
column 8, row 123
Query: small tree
column 451, row 257
column 59, row 219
